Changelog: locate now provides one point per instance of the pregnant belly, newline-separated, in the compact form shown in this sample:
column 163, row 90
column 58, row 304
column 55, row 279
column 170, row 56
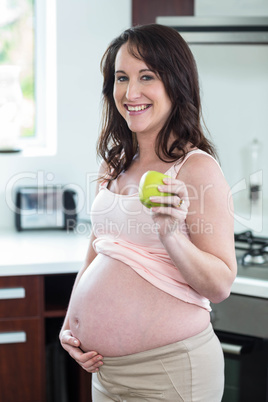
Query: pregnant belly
column 116, row 312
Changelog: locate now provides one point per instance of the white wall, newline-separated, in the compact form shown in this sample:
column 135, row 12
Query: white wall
column 234, row 90
column 85, row 28
column 234, row 83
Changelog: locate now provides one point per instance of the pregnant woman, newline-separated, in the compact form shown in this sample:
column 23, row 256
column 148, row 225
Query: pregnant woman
column 138, row 317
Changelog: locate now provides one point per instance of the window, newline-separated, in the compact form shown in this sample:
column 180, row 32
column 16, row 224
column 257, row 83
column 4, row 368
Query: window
column 27, row 74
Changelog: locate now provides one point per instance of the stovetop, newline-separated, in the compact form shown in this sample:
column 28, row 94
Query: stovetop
column 252, row 255
column 244, row 312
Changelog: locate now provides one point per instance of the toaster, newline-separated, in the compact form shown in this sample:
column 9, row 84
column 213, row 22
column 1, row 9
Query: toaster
column 50, row 207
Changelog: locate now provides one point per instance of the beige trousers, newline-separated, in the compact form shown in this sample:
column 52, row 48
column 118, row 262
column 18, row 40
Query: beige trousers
column 191, row 370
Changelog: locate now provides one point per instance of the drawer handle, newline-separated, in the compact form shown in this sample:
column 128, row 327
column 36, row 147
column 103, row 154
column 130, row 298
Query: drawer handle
column 12, row 337
column 232, row 349
column 12, row 293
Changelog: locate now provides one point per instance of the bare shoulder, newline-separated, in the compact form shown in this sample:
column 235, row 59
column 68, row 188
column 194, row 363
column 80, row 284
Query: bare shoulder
column 207, row 187
column 201, row 168
column 210, row 213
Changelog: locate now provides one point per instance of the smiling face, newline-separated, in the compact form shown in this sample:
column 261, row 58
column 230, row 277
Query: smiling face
column 139, row 94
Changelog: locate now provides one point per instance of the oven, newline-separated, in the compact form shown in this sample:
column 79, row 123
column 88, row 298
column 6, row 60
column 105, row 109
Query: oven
column 241, row 323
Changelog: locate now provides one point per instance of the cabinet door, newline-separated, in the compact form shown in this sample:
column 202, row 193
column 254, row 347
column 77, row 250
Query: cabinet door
column 21, row 361
column 145, row 12
column 20, row 296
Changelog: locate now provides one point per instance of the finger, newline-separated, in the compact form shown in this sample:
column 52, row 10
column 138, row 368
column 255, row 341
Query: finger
column 176, row 213
column 90, row 358
column 181, row 204
column 92, row 365
column 174, row 201
column 89, row 367
column 76, row 353
column 177, row 189
column 73, row 341
column 67, row 338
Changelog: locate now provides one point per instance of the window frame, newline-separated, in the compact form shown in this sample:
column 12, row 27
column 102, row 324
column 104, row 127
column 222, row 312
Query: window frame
column 44, row 142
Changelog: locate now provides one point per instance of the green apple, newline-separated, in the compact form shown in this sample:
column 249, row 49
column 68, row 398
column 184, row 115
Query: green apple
column 148, row 187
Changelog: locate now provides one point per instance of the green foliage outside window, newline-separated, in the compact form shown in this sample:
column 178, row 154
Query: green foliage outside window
column 17, row 48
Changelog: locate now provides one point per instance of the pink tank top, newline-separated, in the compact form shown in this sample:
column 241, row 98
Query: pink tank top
column 125, row 231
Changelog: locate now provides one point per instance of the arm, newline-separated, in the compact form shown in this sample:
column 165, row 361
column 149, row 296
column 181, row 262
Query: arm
column 207, row 261
column 90, row 361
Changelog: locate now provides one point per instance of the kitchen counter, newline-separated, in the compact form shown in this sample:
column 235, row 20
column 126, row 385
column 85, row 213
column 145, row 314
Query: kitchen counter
column 48, row 252
column 250, row 287
column 41, row 252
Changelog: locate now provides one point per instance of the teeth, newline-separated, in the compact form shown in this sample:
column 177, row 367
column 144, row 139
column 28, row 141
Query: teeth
column 137, row 108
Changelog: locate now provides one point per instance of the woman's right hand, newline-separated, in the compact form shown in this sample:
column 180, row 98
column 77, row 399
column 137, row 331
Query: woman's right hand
column 89, row 361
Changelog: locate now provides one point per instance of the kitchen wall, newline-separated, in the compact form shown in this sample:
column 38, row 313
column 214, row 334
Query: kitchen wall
column 85, row 27
column 234, row 88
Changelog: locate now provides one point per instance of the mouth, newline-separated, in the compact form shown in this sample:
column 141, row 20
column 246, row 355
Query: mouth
column 136, row 108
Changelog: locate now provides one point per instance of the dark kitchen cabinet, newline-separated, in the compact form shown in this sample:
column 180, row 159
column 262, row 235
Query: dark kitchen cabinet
column 21, row 339
column 66, row 380
column 146, row 11
column 33, row 365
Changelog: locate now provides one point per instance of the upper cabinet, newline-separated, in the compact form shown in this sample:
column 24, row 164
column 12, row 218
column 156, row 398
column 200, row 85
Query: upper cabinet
column 146, row 11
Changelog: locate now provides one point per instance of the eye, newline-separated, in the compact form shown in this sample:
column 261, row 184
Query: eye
column 121, row 78
column 147, row 77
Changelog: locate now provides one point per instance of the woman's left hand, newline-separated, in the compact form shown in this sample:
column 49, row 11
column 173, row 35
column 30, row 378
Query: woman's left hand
column 170, row 216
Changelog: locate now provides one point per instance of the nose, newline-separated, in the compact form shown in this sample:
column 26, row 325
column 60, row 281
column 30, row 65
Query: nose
column 133, row 90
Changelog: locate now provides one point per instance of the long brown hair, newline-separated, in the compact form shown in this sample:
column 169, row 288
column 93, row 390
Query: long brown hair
column 166, row 53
